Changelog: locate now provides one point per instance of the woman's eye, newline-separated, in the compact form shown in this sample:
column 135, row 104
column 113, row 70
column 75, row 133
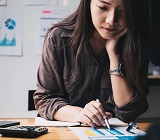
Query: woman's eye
column 103, row 8
column 120, row 12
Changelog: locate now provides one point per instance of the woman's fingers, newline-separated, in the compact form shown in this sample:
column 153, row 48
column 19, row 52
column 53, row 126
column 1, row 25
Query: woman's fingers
column 104, row 115
column 108, row 115
column 87, row 121
column 93, row 114
column 100, row 112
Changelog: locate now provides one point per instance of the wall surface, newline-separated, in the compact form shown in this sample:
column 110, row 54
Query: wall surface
column 18, row 74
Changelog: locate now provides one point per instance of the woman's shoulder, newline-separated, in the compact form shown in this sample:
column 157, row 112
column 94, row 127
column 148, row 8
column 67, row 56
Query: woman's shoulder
column 56, row 38
column 59, row 32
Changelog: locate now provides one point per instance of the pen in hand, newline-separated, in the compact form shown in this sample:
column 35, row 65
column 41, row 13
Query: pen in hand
column 106, row 121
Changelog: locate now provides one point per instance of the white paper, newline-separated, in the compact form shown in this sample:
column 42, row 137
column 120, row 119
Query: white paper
column 116, row 122
column 10, row 31
column 43, row 122
column 3, row 2
column 45, row 19
column 40, row 2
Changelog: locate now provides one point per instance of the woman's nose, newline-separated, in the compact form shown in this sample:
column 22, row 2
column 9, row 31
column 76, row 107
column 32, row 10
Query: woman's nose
column 111, row 18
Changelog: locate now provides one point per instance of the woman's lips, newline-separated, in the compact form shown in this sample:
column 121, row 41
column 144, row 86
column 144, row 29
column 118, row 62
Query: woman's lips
column 110, row 30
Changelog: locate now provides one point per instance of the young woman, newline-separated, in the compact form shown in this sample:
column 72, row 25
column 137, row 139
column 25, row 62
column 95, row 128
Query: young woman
column 99, row 52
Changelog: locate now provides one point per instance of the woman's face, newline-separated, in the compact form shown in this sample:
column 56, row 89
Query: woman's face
column 108, row 17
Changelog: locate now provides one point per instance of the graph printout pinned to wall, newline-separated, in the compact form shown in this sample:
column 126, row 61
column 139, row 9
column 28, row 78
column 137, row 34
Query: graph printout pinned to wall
column 3, row 2
column 46, row 19
column 10, row 31
column 40, row 2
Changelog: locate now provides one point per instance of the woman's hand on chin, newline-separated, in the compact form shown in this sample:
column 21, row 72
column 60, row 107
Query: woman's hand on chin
column 111, row 44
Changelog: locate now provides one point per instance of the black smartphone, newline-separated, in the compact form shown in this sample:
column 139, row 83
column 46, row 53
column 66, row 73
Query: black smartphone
column 8, row 123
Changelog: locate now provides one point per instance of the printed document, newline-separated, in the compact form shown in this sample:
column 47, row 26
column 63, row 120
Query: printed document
column 115, row 133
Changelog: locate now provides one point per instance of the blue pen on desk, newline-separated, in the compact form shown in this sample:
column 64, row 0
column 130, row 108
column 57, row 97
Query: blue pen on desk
column 106, row 121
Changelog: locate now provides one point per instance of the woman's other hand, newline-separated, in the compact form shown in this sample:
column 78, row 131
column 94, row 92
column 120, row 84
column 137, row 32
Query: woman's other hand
column 111, row 44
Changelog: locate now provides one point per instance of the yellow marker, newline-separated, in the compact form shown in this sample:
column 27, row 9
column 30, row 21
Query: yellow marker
column 89, row 133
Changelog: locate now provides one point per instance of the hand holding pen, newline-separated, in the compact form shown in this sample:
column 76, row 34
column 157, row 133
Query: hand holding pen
column 93, row 115
column 106, row 120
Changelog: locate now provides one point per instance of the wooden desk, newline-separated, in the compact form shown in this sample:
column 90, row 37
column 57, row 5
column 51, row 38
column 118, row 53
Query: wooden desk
column 57, row 133
column 154, row 80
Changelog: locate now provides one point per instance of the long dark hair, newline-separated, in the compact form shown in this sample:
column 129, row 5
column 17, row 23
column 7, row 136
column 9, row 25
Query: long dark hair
column 81, row 22
column 135, row 44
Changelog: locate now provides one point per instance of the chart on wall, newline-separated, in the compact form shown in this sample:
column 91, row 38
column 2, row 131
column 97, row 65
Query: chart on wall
column 40, row 2
column 10, row 31
column 3, row 2
column 45, row 19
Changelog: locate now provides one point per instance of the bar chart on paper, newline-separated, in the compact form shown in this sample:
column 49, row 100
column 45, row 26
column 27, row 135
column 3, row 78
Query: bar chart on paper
column 118, row 133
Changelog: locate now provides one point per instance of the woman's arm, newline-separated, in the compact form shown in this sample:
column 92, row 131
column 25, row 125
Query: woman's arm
column 92, row 114
column 122, row 90
column 50, row 94
column 126, row 102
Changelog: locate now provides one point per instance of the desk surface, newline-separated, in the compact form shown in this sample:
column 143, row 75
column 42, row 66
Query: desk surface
column 58, row 133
